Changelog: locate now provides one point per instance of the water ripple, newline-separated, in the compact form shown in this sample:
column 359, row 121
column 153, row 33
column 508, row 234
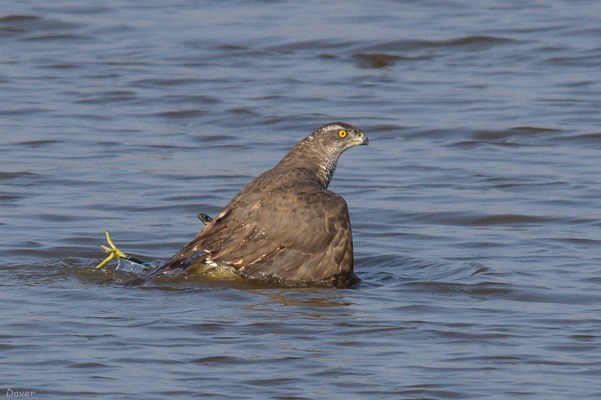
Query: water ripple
column 475, row 209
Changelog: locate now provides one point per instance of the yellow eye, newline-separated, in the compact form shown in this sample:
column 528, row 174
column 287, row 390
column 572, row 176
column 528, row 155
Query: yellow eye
column 342, row 133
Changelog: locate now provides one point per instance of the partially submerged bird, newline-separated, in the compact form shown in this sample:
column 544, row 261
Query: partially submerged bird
column 285, row 225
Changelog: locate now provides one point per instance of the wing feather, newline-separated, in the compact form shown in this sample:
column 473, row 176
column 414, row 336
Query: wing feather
column 289, row 233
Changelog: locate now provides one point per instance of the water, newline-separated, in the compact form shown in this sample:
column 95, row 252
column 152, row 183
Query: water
column 475, row 209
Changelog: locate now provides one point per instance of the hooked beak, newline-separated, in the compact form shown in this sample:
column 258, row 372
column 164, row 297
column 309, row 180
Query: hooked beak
column 361, row 140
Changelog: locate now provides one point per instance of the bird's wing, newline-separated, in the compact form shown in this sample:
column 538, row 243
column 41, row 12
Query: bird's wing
column 288, row 233
column 301, row 234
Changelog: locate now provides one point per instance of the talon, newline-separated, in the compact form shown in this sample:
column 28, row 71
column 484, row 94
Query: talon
column 115, row 252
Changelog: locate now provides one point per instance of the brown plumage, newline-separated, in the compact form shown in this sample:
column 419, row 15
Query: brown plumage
column 285, row 225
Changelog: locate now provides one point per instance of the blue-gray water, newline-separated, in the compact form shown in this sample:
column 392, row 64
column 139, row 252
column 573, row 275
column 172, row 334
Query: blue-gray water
column 476, row 209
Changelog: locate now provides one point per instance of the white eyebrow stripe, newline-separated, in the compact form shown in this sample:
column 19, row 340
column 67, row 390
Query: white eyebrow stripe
column 331, row 127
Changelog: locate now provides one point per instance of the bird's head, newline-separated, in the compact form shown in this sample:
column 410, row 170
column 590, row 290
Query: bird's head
column 321, row 149
column 334, row 138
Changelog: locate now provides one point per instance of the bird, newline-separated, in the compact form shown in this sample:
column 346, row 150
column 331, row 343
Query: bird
column 285, row 225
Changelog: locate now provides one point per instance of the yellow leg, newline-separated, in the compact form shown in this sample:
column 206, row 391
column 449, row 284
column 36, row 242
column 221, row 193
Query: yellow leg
column 115, row 252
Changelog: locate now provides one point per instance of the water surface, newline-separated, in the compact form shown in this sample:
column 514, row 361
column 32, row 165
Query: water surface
column 475, row 209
